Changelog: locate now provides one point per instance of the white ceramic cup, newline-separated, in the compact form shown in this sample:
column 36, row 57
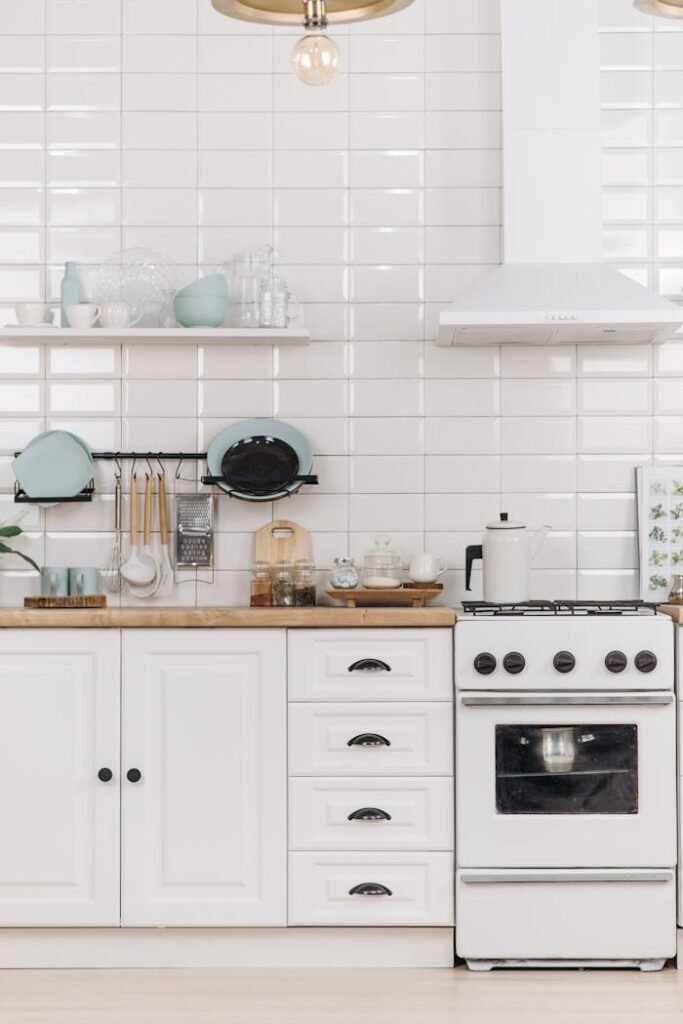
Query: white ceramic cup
column 33, row 314
column 118, row 316
column 83, row 316
column 425, row 568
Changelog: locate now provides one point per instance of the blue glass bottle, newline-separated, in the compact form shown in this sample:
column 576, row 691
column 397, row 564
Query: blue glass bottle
column 71, row 290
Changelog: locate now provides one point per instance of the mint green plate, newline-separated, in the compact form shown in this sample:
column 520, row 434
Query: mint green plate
column 56, row 464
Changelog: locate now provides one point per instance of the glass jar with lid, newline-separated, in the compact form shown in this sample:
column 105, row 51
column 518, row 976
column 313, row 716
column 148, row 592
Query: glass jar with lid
column 283, row 585
column 261, row 586
column 345, row 575
column 304, row 584
column 382, row 566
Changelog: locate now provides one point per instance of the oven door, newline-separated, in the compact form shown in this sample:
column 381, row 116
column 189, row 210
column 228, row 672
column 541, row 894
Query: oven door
column 566, row 780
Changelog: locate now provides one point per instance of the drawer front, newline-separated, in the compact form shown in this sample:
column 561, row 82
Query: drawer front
column 371, row 739
column 636, row 918
column 416, row 889
column 371, row 814
column 371, row 664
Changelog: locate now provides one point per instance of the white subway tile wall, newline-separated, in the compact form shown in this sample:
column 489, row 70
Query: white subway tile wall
column 160, row 123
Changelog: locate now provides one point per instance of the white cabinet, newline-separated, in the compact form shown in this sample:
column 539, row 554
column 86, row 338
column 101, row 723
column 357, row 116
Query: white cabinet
column 59, row 726
column 204, row 826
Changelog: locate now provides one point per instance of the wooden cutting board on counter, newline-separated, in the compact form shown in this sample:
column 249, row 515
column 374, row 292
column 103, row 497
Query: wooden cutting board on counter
column 282, row 541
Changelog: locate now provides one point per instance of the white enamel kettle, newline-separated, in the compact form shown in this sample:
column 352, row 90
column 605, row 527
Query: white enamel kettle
column 508, row 550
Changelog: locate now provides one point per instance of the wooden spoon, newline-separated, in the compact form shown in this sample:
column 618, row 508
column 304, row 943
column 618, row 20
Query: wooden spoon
column 135, row 571
column 165, row 566
column 147, row 556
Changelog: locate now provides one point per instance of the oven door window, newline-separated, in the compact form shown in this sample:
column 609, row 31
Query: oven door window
column 567, row 769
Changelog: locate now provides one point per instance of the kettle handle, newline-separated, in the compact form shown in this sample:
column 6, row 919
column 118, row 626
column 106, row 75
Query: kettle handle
column 472, row 554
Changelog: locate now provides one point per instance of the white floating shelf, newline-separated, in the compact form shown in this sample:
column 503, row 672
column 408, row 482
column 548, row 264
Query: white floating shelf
column 155, row 336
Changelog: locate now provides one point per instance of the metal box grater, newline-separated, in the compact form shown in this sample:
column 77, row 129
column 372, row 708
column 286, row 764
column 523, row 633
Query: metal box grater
column 194, row 531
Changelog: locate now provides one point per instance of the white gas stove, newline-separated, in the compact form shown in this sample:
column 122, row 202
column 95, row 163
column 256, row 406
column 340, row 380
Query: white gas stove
column 566, row 785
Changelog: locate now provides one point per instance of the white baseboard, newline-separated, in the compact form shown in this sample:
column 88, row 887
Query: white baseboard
column 90, row 948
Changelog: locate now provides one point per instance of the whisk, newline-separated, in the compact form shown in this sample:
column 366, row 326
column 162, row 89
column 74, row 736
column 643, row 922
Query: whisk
column 111, row 577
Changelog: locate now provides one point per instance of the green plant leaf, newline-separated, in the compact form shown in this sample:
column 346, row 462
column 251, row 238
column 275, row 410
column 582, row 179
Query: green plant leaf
column 10, row 531
column 6, row 550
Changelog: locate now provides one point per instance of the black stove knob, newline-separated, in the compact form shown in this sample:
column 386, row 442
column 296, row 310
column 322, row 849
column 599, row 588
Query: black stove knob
column 564, row 661
column 514, row 663
column 616, row 661
column 485, row 664
column 646, row 661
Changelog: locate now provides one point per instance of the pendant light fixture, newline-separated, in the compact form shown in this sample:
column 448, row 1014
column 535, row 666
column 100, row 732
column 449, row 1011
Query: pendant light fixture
column 660, row 8
column 315, row 58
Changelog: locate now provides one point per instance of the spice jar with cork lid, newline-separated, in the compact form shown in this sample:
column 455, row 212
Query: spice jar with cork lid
column 261, row 586
column 304, row 584
column 283, row 585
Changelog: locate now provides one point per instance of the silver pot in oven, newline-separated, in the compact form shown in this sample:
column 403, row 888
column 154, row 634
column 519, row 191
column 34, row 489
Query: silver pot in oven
column 559, row 747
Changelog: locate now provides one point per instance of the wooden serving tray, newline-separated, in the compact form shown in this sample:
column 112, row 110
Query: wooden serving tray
column 415, row 596
column 89, row 601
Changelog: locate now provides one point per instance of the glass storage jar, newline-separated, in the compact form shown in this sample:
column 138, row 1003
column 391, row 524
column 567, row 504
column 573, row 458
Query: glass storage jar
column 261, row 586
column 304, row 584
column 382, row 566
column 283, row 585
column 345, row 575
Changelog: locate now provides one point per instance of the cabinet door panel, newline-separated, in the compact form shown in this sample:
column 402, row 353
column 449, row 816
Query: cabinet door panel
column 204, row 830
column 59, row 724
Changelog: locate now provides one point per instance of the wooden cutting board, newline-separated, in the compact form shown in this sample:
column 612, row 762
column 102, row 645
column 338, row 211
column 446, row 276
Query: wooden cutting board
column 282, row 541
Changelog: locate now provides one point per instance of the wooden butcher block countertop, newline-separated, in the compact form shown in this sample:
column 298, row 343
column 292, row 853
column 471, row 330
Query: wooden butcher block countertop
column 674, row 610
column 226, row 618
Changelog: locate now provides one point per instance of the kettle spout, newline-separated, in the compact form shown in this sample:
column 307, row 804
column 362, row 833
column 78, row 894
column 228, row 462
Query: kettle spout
column 537, row 539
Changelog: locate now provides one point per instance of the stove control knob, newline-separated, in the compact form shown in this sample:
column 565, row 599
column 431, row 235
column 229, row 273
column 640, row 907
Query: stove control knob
column 485, row 664
column 646, row 661
column 514, row 663
column 616, row 661
column 564, row 662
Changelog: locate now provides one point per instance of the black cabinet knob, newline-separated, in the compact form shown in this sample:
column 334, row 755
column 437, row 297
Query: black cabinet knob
column 133, row 774
column 370, row 665
column 564, row 661
column 485, row 664
column 646, row 661
column 370, row 889
column 369, row 739
column 514, row 663
column 616, row 661
column 105, row 775
column 369, row 814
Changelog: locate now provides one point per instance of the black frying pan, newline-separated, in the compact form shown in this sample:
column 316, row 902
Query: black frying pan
column 260, row 466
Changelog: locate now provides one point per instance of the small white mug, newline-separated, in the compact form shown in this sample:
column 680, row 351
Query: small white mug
column 83, row 316
column 118, row 316
column 424, row 568
column 33, row 314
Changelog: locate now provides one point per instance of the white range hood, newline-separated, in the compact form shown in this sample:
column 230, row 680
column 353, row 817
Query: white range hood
column 553, row 286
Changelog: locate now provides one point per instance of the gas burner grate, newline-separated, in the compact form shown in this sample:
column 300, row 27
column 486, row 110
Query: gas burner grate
column 551, row 608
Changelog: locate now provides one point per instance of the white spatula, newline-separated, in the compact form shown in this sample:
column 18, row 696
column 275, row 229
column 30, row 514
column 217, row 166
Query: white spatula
column 136, row 571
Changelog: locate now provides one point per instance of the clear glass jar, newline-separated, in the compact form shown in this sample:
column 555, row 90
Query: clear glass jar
column 245, row 273
column 304, row 584
column 261, row 586
column 283, row 585
column 345, row 575
column 382, row 566
column 274, row 302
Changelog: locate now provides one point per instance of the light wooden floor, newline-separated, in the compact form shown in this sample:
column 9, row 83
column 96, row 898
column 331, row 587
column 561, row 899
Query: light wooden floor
column 340, row 997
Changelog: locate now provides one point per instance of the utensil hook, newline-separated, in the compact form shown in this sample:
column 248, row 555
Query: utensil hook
column 149, row 466
column 162, row 468
column 132, row 468
column 179, row 466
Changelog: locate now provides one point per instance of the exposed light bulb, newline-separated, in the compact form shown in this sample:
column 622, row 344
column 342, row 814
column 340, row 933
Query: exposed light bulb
column 315, row 59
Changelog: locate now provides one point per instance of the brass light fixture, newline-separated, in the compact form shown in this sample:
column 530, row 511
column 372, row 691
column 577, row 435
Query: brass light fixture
column 315, row 58
column 661, row 8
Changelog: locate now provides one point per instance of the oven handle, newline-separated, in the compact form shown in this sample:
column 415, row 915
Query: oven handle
column 496, row 700
column 498, row 878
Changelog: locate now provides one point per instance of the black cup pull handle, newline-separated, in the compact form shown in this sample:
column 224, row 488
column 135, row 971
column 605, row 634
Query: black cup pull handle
column 369, row 739
column 369, row 814
column 369, row 665
column 370, row 889
column 133, row 774
column 105, row 775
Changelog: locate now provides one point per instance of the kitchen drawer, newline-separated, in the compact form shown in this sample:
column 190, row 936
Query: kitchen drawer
column 371, row 739
column 371, row 664
column 566, row 915
column 390, row 814
column 416, row 889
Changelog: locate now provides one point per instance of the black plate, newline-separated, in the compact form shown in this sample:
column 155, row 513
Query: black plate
column 260, row 466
